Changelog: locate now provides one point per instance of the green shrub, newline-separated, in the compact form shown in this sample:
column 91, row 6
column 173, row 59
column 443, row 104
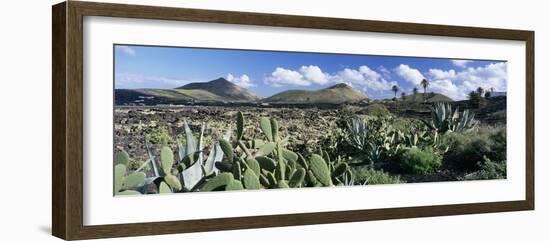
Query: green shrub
column 160, row 136
column 377, row 110
column 467, row 150
column 335, row 143
column 489, row 170
column 420, row 161
column 372, row 177
column 410, row 125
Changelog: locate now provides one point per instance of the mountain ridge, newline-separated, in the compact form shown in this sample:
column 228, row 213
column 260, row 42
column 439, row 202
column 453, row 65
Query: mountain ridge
column 335, row 94
column 224, row 88
column 221, row 90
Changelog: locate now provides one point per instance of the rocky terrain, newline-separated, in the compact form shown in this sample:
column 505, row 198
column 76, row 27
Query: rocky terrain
column 307, row 125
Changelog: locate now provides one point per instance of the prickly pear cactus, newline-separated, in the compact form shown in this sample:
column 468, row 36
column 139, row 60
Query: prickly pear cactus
column 240, row 125
column 339, row 169
column 251, row 180
column 254, row 165
column 125, row 184
column 227, row 149
column 122, row 157
column 218, row 181
column 265, row 125
column 173, row 181
column 167, row 159
column 234, row 185
column 297, row 178
column 164, row 188
column 266, row 163
column 320, row 170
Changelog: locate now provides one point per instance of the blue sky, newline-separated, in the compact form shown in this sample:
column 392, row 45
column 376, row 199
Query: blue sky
column 269, row 72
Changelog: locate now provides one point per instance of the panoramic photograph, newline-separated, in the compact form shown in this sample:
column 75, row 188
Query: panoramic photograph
column 203, row 119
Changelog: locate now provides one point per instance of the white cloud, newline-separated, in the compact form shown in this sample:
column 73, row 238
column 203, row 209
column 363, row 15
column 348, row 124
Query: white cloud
column 489, row 76
column 442, row 74
column 126, row 50
column 243, row 81
column 447, row 88
column 374, row 80
column 461, row 63
column 351, row 75
column 457, row 85
column 385, row 72
column 306, row 75
column 362, row 78
column 282, row 76
column 314, row 74
column 409, row 74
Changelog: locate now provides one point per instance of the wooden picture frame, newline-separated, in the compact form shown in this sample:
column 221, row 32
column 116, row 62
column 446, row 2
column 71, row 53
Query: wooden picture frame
column 67, row 124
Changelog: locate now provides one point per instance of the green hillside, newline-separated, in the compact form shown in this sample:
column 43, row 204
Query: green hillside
column 340, row 93
column 430, row 97
column 223, row 88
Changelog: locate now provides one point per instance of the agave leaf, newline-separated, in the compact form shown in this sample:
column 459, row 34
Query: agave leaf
column 190, row 146
column 216, row 155
column 192, row 175
column 181, row 150
column 200, row 146
column 152, row 160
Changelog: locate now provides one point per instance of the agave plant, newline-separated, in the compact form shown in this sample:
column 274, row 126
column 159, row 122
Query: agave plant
column 193, row 167
column 359, row 133
column 445, row 119
column 375, row 137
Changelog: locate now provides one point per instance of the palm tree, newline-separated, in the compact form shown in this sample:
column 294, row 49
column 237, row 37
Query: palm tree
column 415, row 92
column 425, row 85
column 475, row 99
column 395, row 88
column 479, row 91
column 403, row 95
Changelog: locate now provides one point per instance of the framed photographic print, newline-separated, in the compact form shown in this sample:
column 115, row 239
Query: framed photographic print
column 171, row 120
